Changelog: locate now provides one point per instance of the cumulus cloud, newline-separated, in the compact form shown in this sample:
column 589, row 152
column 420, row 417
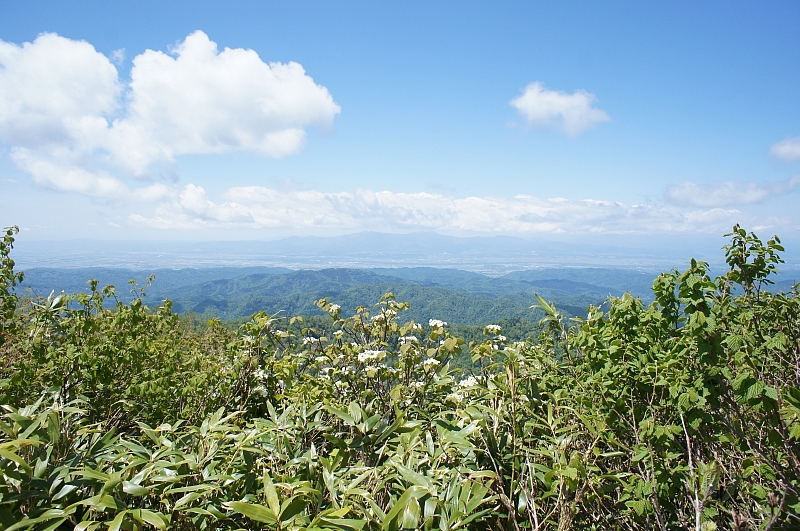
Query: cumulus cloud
column 67, row 178
column 54, row 92
column 62, row 104
column 788, row 150
column 570, row 113
column 297, row 211
column 727, row 193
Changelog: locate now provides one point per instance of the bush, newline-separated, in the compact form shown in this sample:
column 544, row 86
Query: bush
column 684, row 414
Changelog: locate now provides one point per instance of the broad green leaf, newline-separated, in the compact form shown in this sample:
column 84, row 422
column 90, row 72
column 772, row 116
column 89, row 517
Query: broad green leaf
column 255, row 512
column 415, row 492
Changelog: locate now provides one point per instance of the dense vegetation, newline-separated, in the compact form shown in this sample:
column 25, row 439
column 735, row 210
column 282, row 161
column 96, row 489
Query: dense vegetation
column 680, row 414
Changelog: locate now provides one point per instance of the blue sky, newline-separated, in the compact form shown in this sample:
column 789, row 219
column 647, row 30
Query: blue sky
column 558, row 119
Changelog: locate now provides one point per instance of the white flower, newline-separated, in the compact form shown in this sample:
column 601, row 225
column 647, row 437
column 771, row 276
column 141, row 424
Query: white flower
column 310, row 341
column 492, row 329
column 320, row 359
column 455, row 397
column 338, row 333
column 408, row 339
column 430, row 362
column 418, row 385
column 501, row 338
column 436, row 323
column 368, row 355
column 468, row 382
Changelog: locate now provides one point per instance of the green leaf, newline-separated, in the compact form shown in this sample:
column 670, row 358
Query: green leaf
column 414, row 491
column 410, row 517
column 11, row 456
column 292, row 508
column 255, row 512
column 344, row 524
column 754, row 391
column 133, row 489
column 116, row 523
column 272, row 496
column 157, row 520
column 350, row 421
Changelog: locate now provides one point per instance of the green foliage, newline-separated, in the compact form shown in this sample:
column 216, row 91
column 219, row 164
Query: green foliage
column 679, row 414
column 8, row 280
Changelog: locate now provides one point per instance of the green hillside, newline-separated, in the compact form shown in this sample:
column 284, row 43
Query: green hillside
column 230, row 293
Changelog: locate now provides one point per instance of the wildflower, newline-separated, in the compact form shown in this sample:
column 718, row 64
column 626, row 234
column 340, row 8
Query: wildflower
column 436, row 323
column 320, row 359
column 492, row 329
column 338, row 333
column 468, row 382
column 408, row 339
column 333, row 308
column 368, row 355
column 430, row 362
column 455, row 397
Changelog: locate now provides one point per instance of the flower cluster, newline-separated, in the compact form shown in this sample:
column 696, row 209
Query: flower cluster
column 436, row 323
column 430, row 362
column 492, row 329
column 470, row 381
column 384, row 316
column 369, row 355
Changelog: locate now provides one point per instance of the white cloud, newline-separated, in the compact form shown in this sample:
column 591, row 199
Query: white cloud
column 727, row 193
column 100, row 184
column 312, row 211
column 204, row 101
column 54, row 92
column 571, row 113
column 788, row 150
column 62, row 102
column 118, row 56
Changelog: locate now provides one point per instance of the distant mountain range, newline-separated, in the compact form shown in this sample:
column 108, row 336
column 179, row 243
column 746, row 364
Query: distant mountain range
column 459, row 280
column 452, row 295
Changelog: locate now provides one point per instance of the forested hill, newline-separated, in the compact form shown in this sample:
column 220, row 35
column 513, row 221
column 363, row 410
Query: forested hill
column 449, row 294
